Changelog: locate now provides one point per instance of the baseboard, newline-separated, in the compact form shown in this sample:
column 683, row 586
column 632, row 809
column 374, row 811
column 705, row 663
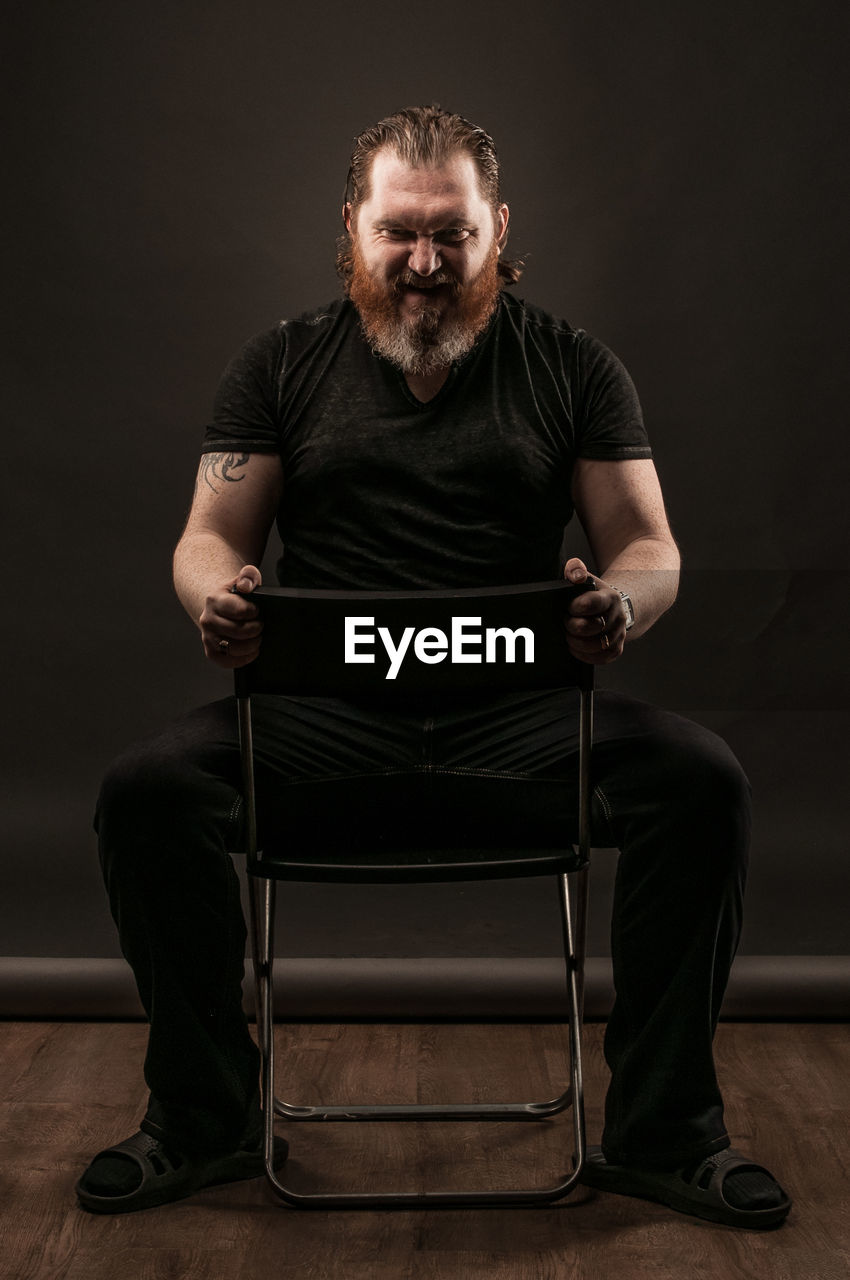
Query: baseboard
column 416, row 987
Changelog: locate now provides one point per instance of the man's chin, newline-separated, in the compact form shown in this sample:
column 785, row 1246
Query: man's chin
column 414, row 351
column 418, row 310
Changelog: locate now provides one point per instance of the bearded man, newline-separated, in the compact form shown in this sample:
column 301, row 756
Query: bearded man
column 429, row 430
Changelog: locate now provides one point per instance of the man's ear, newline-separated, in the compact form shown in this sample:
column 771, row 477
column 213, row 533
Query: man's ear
column 502, row 217
column 346, row 215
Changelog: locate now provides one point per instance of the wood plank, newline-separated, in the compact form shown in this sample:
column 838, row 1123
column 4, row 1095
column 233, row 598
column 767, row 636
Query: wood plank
column 68, row 1089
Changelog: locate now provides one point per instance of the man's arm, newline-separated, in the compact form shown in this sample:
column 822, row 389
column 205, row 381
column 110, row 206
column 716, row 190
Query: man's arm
column 236, row 498
column 622, row 512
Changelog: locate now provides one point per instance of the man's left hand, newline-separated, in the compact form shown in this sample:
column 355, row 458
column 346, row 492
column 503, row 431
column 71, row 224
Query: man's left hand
column 596, row 627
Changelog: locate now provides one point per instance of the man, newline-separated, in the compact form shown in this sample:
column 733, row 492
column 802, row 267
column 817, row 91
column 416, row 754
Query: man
column 429, row 430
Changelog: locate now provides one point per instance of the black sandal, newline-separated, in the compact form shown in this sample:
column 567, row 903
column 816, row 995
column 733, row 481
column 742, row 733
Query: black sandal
column 697, row 1190
column 167, row 1176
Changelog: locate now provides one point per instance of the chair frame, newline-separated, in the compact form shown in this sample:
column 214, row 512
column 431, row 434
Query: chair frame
column 290, row 617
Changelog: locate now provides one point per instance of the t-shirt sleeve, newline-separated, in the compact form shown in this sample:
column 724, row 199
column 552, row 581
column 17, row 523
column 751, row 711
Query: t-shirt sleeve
column 245, row 416
column 609, row 419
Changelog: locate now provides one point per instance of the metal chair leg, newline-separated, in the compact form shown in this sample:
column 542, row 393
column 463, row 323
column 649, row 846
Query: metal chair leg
column 262, row 903
column 574, row 1093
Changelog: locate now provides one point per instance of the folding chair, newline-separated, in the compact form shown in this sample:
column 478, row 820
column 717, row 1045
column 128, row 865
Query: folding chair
column 307, row 637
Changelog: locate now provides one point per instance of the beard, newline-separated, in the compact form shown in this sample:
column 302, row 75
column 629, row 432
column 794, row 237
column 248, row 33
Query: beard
column 436, row 333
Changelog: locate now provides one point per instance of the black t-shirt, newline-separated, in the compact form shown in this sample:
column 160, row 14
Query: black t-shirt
column 469, row 489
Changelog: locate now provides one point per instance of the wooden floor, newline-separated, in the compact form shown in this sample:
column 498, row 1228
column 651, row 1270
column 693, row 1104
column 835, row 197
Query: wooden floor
column 67, row 1089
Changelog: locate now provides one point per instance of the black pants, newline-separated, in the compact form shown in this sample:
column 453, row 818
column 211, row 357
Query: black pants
column 668, row 793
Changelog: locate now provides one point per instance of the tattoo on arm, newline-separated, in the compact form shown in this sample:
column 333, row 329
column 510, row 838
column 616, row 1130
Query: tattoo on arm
column 221, row 467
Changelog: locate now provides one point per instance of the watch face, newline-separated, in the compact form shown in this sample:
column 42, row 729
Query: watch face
column 630, row 613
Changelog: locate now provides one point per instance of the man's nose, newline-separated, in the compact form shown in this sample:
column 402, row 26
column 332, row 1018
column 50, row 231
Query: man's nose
column 424, row 256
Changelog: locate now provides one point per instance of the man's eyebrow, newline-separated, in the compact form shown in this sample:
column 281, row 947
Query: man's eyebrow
column 453, row 220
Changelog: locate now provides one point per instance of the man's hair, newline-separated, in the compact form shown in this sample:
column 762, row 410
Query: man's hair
column 424, row 136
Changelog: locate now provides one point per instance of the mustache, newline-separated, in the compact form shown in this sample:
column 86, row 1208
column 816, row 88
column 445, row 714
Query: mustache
column 410, row 280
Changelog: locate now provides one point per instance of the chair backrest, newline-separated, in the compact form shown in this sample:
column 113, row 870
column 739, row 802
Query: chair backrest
column 338, row 643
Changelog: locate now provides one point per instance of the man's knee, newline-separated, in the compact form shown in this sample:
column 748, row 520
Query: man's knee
column 716, row 787
column 684, row 784
column 158, row 797
column 708, row 799
column 139, row 789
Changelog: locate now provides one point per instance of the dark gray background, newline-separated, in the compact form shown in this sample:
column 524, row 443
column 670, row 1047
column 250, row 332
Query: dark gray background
column 678, row 180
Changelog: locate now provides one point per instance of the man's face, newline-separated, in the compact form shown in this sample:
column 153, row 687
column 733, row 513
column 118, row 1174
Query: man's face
column 424, row 254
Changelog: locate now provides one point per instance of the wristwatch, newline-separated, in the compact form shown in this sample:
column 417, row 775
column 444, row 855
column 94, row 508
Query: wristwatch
column 629, row 608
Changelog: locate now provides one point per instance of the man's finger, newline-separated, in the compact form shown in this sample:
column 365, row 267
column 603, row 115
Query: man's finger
column 593, row 603
column 230, row 653
column 230, row 607
column 595, row 650
column 247, row 580
column 575, row 570
column 238, row 628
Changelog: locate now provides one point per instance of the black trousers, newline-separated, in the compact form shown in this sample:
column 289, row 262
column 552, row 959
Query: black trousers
column 668, row 793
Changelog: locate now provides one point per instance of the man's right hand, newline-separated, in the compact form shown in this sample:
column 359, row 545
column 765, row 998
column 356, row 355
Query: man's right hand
column 230, row 624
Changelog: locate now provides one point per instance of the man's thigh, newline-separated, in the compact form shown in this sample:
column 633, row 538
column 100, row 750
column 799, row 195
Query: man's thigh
column 474, row 770
column 488, row 769
column 517, row 759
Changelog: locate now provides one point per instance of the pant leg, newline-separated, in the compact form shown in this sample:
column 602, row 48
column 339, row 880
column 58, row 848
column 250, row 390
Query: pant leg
column 677, row 804
column 671, row 796
column 168, row 816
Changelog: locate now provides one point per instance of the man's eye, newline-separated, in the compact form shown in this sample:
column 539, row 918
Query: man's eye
column 449, row 236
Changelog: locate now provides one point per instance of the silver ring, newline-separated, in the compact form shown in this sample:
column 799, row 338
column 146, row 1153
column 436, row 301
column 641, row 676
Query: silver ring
column 223, row 646
column 605, row 642
column 603, row 624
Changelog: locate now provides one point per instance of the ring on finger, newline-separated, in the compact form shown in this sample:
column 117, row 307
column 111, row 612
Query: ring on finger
column 605, row 642
column 223, row 646
column 601, row 620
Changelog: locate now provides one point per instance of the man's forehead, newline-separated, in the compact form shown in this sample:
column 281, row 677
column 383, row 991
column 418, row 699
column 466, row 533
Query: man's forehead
column 394, row 180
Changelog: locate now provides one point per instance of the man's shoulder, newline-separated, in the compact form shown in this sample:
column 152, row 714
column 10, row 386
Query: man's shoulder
column 524, row 315
column 320, row 317
column 312, row 329
column 551, row 333
column 309, row 326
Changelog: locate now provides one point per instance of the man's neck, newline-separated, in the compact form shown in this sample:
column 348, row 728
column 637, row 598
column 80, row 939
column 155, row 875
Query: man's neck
column 426, row 385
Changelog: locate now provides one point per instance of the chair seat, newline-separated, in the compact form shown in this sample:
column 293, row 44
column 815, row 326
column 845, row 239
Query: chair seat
column 412, row 865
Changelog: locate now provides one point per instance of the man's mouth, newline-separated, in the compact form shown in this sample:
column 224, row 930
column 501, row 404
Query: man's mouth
column 423, row 287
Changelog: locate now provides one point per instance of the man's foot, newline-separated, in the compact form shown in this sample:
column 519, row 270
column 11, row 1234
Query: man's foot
column 726, row 1188
column 143, row 1172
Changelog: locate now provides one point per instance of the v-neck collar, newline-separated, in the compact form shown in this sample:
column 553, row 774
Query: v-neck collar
column 435, row 399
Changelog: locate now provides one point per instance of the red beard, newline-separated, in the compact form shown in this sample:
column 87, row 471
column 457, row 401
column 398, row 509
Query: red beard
column 439, row 332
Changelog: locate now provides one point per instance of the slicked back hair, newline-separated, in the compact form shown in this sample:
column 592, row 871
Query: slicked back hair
column 426, row 136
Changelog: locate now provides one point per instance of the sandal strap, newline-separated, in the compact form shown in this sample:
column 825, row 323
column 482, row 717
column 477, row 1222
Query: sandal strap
column 147, row 1152
column 721, row 1164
